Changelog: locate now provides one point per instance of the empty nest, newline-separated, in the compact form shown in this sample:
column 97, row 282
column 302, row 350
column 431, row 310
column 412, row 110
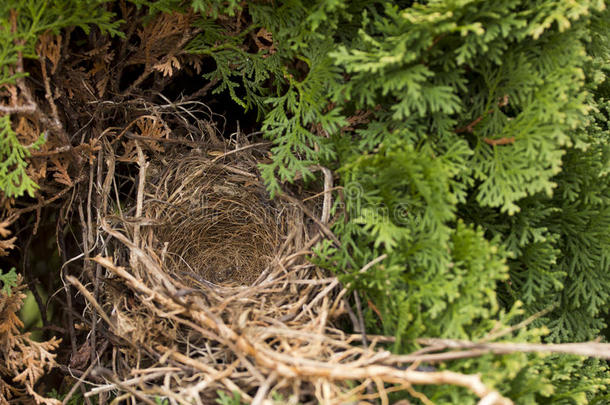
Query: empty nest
column 216, row 221
column 203, row 284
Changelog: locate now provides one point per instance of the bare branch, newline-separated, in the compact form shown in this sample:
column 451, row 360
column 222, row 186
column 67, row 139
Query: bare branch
column 587, row 349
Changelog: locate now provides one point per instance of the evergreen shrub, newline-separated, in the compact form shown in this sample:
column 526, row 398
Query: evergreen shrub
column 470, row 140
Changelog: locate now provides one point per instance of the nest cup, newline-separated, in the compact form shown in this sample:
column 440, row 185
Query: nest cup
column 209, row 279
column 215, row 221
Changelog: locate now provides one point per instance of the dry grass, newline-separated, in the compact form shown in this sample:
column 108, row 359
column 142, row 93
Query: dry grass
column 217, row 225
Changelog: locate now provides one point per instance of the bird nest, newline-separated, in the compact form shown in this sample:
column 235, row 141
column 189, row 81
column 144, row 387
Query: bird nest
column 217, row 223
column 216, row 273
column 202, row 284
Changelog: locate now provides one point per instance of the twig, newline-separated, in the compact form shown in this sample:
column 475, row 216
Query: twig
column 125, row 383
column 192, row 144
column 110, row 376
column 501, row 141
column 520, row 325
column 318, row 297
column 74, row 281
column 361, row 328
column 491, row 399
column 49, row 96
column 263, row 389
column 253, row 145
column 48, row 201
column 140, row 197
column 29, row 108
column 82, row 378
column 587, row 349
column 222, row 376
column 91, row 241
column 470, row 127
column 32, row 108
column 68, row 293
column 373, row 262
column 369, row 387
column 149, row 68
column 287, row 364
column 238, row 171
column 325, row 230
column 328, row 185
column 77, row 373
column 466, row 350
column 153, row 269
column 293, row 367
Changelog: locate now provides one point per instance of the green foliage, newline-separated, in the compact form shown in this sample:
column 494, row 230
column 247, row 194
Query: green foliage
column 236, row 69
column 21, row 23
column 76, row 399
column 455, row 79
column 480, row 170
column 226, row 399
column 290, row 123
column 14, row 181
column 156, row 6
column 35, row 17
column 161, row 401
column 9, row 281
column 470, row 139
column 214, row 8
column 294, row 105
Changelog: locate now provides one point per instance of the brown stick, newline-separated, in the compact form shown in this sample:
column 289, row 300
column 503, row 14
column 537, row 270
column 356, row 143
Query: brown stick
column 140, row 197
column 501, row 141
column 74, row 281
column 587, row 349
column 29, row 108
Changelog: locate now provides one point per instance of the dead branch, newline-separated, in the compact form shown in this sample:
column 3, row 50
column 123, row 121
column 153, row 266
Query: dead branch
column 587, row 349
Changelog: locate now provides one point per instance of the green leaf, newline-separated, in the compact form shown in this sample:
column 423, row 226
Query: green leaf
column 9, row 281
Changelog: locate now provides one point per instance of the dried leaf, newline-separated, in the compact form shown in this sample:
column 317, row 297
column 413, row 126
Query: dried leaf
column 27, row 131
column 60, row 170
column 194, row 61
column 130, row 152
column 4, row 231
column 49, row 46
column 167, row 67
column 6, row 245
column 264, row 41
column 23, row 361
column 80, row 359
column 101, row 85
column 160, row 37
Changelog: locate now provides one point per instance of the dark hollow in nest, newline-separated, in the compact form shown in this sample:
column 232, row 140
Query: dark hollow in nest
column 215, row 221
